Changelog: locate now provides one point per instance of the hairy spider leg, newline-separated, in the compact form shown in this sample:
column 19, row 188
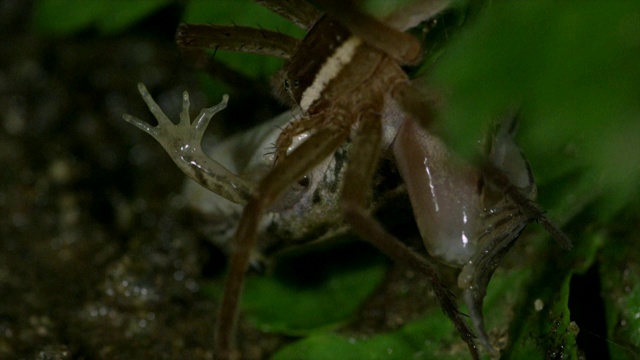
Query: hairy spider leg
column 388, row 36
column 299, row 12
column 236, row 38
column 295, row 128
column 526, row 205
column 416, row 100
column 303, row 159
column 401, row 46
column 363, row 158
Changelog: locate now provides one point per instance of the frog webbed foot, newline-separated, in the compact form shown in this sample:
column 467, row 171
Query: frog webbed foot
column 181, row 137
column 182, row 141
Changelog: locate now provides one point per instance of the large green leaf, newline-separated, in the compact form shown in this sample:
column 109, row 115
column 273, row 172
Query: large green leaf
column 319, row 289
column 276, row 306
column 421, row 339
column 620, row 274
column 571, row 67
column 65, row 17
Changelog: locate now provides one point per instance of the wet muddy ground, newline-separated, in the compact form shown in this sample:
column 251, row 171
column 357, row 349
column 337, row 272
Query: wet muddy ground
column 95, row 261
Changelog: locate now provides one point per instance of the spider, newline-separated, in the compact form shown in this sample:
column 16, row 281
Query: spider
column 345, row 80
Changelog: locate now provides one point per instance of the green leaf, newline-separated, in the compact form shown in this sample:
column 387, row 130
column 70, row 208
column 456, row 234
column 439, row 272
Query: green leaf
column 535, row 272
column 571, row 67
column 318, row 289
column 413, row 341
column 243, row 13
column 620, row 276
column 123, row 14
column 433, row 336
column 65, row 17
column 276, row 306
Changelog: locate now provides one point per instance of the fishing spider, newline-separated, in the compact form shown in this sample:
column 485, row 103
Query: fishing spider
column 345, row 79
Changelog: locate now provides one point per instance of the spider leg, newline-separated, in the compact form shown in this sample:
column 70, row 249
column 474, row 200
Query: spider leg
column 399, row 45
column 414, row 13
column 418, row 101
column 240, row 84
column 304, row 158
column 299, row 12
column 295, row 128
column 357, row 182
column 236, row 38
column 506, row 168
column 529, row 207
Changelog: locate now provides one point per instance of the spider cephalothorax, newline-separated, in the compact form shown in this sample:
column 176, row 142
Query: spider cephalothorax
column 346, row 81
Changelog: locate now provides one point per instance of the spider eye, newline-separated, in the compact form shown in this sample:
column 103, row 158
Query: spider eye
column 304, row 182
column 286, row 84
column 296, row 83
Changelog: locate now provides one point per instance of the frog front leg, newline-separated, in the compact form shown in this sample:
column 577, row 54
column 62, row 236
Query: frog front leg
column 182, row 142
